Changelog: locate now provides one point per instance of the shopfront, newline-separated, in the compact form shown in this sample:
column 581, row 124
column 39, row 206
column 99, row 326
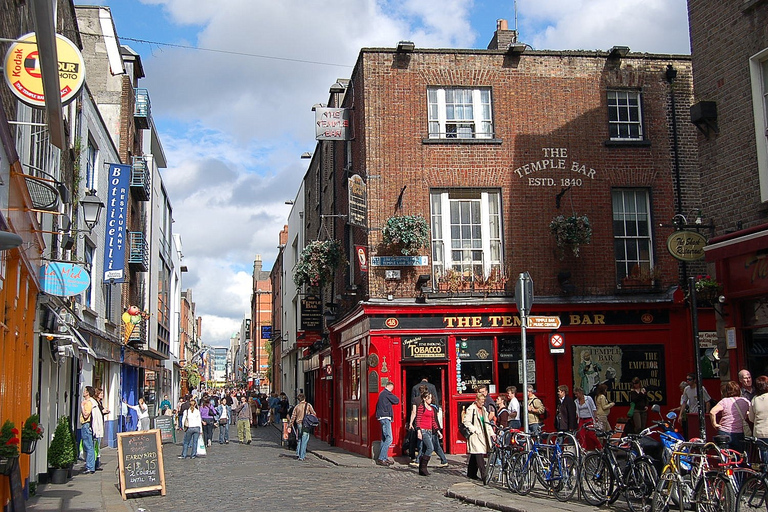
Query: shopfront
column 461, row 347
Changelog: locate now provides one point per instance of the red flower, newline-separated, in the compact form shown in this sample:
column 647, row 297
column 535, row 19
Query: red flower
column 15, row 431
column 13, row 440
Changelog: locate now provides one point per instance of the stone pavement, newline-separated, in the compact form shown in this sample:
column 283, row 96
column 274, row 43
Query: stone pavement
column 265, row 475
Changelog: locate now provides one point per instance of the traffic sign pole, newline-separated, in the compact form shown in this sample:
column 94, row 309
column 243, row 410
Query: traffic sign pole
column 524, row 296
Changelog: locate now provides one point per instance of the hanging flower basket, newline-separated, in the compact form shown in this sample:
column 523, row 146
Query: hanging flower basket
column 571, row 233
column 406, row 234
column 31, row 432
column 317, row 263
column 28, row 445
column 6, row 465
column 707, row 289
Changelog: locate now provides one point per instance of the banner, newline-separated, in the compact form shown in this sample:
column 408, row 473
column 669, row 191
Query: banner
column 117, row 212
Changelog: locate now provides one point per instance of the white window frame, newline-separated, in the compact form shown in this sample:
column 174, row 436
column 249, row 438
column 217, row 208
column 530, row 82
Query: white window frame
column 624, row 122
column 644, row 263
column 442, row 250
column 758, row 70
column 478, row 126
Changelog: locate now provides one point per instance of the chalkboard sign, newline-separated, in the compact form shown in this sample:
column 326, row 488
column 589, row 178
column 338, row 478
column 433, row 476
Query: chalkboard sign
column 165, row 425
column 140, row 461
column 17, row 491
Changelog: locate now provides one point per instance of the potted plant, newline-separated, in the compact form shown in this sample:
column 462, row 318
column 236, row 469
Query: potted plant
column 707, row 288
column 317, row 263
column 571, row 233
column 31, row 432
column 61, row 453
column 406, row 234
column 9, row 447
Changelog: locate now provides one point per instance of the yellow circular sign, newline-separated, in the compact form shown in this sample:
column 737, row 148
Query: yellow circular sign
column 686, row 245
column 22, row 70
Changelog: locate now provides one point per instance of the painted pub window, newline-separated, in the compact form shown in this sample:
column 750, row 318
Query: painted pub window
column 474, row 363
column 616, row 366
column 352, row 361
column 511, row 362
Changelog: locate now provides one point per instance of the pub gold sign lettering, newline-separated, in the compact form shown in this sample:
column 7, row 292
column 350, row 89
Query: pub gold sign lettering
column 469, row 322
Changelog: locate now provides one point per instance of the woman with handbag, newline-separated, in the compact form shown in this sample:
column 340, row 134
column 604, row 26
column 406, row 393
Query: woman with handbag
column 192, row 424
column 297, row 420
column 427, row 430
column 733, row 410
column 224, row 412
column 480, row 434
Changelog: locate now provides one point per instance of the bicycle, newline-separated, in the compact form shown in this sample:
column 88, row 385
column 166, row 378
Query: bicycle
column 681, row 478
column 501, row 453
column 604, row 479
column 753, row 492
column 547, row 462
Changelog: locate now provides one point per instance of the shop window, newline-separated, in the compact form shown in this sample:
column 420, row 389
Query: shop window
column 624, row 115
column 510, row 360
column 632, row 236
column 466, row 234
column 476, row 367
column 459, row 113
column 352, row 362
column 758, row 69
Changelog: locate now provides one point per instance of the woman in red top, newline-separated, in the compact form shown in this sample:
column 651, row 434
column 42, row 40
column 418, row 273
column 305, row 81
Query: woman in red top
column 426, row 429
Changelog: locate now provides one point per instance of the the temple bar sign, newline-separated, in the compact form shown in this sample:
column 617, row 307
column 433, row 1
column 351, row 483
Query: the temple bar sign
column 332, row 124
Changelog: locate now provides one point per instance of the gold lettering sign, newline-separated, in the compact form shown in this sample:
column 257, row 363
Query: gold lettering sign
column 686, row 245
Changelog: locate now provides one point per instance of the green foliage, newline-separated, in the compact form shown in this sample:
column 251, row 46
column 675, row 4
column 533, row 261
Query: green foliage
column 61, row 453
column 571, row 233
column 317, row 263
column 193, row 376
column 9, row 440
column 407, row 233
column 32, row 429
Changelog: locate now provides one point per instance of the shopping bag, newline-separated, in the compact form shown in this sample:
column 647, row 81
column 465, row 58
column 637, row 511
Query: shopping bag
column 201, row 446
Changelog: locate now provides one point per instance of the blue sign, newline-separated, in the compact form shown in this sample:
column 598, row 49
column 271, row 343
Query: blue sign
column 64, row 279
column 117, row 216
column 399, row 261
column 266, row 332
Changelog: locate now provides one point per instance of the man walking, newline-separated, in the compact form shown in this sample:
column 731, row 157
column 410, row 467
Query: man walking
column 415, row 393
column 535, row 410
column 384, row 414
column 243, row 415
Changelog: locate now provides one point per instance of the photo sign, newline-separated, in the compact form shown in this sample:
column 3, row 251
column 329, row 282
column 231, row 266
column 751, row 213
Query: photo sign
column 140, row 462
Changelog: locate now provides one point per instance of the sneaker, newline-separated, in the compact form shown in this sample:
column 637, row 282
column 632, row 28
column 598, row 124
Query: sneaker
column 380, row 462
column 443, row 464
column 180, row 457
column 194, row 456
column 248, row 442
column 414, row 463
column 209, row 442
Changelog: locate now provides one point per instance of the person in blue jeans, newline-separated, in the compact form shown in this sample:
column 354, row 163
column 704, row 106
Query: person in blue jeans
column 297, row 418
column 193, row 424
column 384, row 414
column 86, row 431
column 224, row 413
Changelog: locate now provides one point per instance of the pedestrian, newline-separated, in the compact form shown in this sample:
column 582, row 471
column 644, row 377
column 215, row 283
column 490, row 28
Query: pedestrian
column 224, row 414
column 183, row 406
column 297, row 418
column 243, row 414
column 502, row 418
column 490, row 404
column 535, row 411
column 414, row 443
column 585, row 412
column 638, row 396
column 733, row 410
column 192, row 423
column 603, row 407
column 283, row 408
column 758, row 414
column 565, row 419
column 87, row 406
column 479, row 441
column 745, row 383
column 427, row 430
column 384, row 414
column 255, row 410
column 514, row 408
column 143, row 414
column 690, row 402
column 98, row 425
column 274, row 413
column 208, row 416
column 264, row 414
column 416, row 393
column 165, row 406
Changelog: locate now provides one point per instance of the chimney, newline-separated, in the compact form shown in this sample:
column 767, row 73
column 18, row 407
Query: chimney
column 502, row 37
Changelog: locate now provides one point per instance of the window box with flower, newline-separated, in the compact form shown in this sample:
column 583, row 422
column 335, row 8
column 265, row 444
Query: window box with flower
column 9, row 447
column 31, row 433
column 317, row 263
column 571, row 233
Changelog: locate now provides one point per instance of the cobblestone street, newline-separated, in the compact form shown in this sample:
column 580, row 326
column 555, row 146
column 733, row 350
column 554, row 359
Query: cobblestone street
column 266, row 476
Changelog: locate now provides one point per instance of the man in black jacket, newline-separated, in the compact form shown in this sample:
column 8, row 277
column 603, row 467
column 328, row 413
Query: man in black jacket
column 565, row 421
column 384, row 414
column 415, row 393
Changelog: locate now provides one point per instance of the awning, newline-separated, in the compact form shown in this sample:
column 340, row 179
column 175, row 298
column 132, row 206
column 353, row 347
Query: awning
column 72, row 331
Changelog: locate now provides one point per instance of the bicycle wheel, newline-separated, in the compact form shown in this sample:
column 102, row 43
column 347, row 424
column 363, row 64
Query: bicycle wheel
column 752, row 495
column 713, row 493
column 596, row 479
column 661, row 499
column 568, row 477
column 513, row 480
column 640, row 481
column 491, row 468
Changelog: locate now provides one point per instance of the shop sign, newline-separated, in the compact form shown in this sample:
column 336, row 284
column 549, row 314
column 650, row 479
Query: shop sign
column 748, row 273
column 358, row 201
column 686, row 245
column 117, row 214
column 332, row 124
column 64, row 279
column 420, row 348
column 311, row 313
column 555, row 168
column 399, row 261
column 616, row 366
column 23, row 76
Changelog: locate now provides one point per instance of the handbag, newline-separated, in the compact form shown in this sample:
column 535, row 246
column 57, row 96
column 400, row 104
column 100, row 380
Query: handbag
column 744, row 423
column 310, row 421
column 464, row 430
column 631, row 410
column 186, row 421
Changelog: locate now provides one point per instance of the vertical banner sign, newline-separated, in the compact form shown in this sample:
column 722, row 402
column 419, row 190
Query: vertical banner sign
column 117, row 211
column 358, row 201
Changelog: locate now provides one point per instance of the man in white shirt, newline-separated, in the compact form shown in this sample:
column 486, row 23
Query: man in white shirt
column 690, row 399
column 513, row 408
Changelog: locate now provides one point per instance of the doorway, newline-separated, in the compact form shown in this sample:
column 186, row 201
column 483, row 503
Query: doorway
column 436, row 375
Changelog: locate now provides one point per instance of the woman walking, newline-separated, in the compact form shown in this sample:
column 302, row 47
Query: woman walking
column 297, row 419
column 481, row 433
column 193, row 424
column 224, row 413
column 733, row 410
column 603, row 407
column 143, row 411
column 426, row 427
column 585, row 412
column 208, row 415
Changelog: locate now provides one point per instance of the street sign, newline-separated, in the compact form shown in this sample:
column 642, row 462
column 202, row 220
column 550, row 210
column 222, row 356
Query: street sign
column 524, row 293
column 556, row 344
column 543, row 322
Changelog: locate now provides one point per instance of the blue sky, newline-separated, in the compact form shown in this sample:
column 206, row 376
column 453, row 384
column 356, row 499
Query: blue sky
column 233, row 126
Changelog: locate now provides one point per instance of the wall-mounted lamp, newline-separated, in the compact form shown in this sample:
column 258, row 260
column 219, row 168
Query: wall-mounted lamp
column 305, row 156
column 405, row 47
column 421, row 285
column 337, row 88
column 423, row 280
column 618, row 52
column 516, row 48
column 92, row 207
column 704, row 116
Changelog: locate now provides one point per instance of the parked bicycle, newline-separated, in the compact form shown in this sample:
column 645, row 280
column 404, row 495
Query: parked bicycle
column 753, row 491
column 502, row 449
column 543, row 459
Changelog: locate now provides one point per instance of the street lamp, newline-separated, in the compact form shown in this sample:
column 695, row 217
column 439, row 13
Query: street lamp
column 92, row 207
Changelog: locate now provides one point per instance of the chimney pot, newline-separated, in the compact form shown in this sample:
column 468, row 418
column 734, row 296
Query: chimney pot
column 501, row 24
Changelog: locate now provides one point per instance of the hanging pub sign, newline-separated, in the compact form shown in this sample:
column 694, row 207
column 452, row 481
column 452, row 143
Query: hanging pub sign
column 332, row 124
column 311, row 313
column 117, row 211
column 64, row 279
column 686, row 245
column 358, row 201
column 419, row 348
column 23, row 76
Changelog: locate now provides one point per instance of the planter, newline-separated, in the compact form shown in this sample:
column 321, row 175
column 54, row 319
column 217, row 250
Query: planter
column 6, row 465
column 59, row 475
column 28, row 445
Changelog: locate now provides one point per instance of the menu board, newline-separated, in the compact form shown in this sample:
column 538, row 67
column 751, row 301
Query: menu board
column 140, row 462
column 165, row 425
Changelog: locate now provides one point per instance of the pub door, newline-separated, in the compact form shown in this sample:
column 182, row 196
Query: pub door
column 412, row 377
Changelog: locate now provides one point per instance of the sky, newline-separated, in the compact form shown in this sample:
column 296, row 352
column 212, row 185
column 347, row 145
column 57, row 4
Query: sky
column 232, row 84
